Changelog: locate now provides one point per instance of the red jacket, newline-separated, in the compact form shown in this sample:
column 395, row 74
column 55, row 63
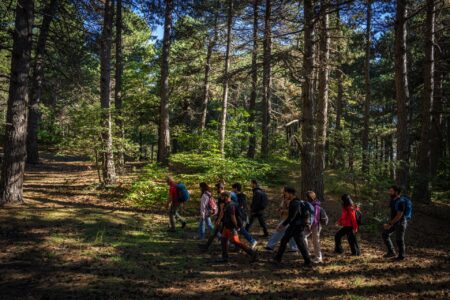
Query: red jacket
column 348, row 218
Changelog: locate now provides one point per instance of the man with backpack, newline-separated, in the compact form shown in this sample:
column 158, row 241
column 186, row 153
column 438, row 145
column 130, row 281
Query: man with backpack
column 242, row 207
column 231, row 225
column 401, row 212
column 298, row 219
column 177, row 195
column 259, row 204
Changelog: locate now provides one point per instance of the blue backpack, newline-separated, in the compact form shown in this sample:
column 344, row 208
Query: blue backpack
column 305, row 206
column 183, row 193
column 408, row 206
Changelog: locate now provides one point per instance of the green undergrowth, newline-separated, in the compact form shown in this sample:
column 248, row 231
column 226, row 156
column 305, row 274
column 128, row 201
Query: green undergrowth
column 150, row 189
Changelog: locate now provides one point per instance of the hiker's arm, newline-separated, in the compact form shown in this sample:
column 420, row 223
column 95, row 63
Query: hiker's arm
column 235, row 223
column 169, row 199
column 291, row 217
column 397, row 218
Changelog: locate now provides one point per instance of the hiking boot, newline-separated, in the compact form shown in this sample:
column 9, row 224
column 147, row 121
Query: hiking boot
column 389, row 255
column 253, row 246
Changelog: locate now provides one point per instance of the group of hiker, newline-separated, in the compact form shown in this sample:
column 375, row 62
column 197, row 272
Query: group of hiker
column 299, row 220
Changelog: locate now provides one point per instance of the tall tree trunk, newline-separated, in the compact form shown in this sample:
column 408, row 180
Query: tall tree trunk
column 211, row 44
column 252, row 106
column 15, row 151
column 109, row 172
column 118, row 86
column 36, row 90
column 223, row 119
column 339, row 157
column 402, row 96
column 267, row 80
column 308, row 173
column 422, row 191
column 365, row 135
column 164, row 133
column 322, row 102
column 437, row 145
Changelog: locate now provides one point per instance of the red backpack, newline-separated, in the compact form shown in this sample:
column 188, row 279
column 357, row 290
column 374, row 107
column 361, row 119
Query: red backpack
column 212, row 206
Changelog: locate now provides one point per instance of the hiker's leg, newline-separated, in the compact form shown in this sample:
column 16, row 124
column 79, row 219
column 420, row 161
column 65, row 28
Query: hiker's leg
column 306, row 233
column 262, row 223
column 201, row 229
column 351, row 236
column 275, row 238
column 224, row 243
column 292, row 245
column 386, row 235
column 212, row 237
column 178, row 217
column 300, row 241
column 237, row 242
column 172, row 217
column 250, row 223
column 284, row 240
column 247, row 235
column 338, row 240
column 400, row 238
column 209, row 223
column 316, row 241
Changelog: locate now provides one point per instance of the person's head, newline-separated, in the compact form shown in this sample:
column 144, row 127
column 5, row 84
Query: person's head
column 204, row 187
column 226, row 196
column 169, row 180
column 254, row 183
column 311, row 196
column 394, row 191
column 346, row 200
column 237, row 187
column 289, row 193
column 220, row 187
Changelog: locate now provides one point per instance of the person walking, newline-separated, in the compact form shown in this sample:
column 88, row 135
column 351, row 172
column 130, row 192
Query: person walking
column 314, row 232
column 349, row 227
column 298, row 219
column 258, row 206
column 208, row 208
column 241, row 202
column 173, row 205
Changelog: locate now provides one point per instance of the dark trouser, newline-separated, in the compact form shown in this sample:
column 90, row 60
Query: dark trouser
column 230, row 235
column 351, row 237
column 260, row 216
column 295, row 232
column 399, row 229
column 213, row 235
column 174, row 216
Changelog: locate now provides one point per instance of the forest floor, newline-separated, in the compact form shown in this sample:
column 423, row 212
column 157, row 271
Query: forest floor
column 72, row 240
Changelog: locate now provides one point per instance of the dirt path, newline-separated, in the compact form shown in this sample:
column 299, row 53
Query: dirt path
column 73, row 241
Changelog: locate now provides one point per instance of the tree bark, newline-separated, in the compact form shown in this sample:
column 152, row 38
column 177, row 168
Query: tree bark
column 437, row 121
column 164, row 129
column 13, row 166
column 223, row 119
column 365, row 136
column 211, row 44
column 252, row 105
column 108, row 168
column 422, row 191
column 402, row 96
column 308, row 173
column 322, row 102
column 339, row 156
column 36, row 89
column 267, row 80
column 118, row 86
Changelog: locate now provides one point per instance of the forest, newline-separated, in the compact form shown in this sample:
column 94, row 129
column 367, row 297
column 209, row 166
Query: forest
column 109, row 106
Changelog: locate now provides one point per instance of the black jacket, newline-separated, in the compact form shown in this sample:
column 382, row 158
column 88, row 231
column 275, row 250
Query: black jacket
column 259, row 201
column 298, row 214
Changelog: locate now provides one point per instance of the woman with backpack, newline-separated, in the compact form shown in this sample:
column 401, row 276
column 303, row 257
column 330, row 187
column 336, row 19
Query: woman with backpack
column 208, row 208
column 349, row 226
column 314, row 231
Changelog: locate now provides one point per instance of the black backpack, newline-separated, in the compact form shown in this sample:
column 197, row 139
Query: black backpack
column 239, row 214
column 359, row 217
column 306, row 211
column 264, row 200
